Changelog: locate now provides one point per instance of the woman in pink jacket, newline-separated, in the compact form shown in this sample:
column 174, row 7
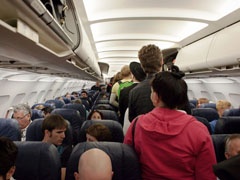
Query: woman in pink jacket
column 171, row 144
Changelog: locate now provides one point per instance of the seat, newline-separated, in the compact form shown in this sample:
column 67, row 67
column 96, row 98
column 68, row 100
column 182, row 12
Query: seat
column 102, row 101
column 73, row 116
column 208, row 105
column 209, row 113
column 194, row 102
column 228, row 125
column 104, row 107
column 109, row 114
column 34, row 132
column 114, row 127
column 55, row 102
column 86, row 103
column 36, row 114
column 205, row 122
column 219, row 145
column 81, row 108
column 37, row 160
column 232, row 112
column 10, row 128
column 125, row 162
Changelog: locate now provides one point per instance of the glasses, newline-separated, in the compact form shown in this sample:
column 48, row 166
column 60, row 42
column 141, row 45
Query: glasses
column 20, row 118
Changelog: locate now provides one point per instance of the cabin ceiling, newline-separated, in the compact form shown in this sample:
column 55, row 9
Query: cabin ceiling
column 118, row 29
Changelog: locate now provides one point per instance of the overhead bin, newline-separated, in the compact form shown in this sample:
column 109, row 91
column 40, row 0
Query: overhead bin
column 194, row 56
column 217, row 51
column 225, row 48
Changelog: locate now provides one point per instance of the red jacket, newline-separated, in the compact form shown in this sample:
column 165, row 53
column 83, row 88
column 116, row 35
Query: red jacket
column 172, row 145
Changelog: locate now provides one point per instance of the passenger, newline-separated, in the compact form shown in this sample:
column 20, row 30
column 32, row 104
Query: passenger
column 94, row 164
column 109, row 85
column 117, row 77
column 170, row 143
column 138, row 76
column 98, row 132
column 229, row 169
column 47, row 111
column 151, row 60
column 39, row 107
column 95, row 115
column 232, row 146
column 77, row 101
column 75, row 94
column 22, row 113
column 202, row 101
column 221, row 106
column 8, row 156
column 96, row 87
column 54, row 128
column 126, row 77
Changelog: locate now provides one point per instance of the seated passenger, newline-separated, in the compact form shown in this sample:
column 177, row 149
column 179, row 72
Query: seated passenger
column 202, row 101
column 98, row 132
column 221, row 106
column 229, row 169
column 232, row 146
column 22, row 113
column 47, row 111
column 8, row 156
column 95, row 115
column 54, row 128
column 94, row 164
column 170, row 143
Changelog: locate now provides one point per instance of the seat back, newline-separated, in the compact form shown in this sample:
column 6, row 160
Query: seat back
column 114, row 127
column 208, row 105
column 81, row 108
column 34, row 132
column 55, row 102
column 125, row 162
column 228, row 125
column 103, row 107
column 194, row 102
column 232, row 112
column 209, row 113
column 10, row 128
column 73, row 116
column 109, row 114
column 205, row 122
column 37, row 160
column 219, row 145
column 36, row 114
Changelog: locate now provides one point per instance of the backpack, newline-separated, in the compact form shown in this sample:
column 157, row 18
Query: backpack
column 122, row 85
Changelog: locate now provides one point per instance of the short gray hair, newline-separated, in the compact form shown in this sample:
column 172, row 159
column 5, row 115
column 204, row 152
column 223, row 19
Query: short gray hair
column 22, row 107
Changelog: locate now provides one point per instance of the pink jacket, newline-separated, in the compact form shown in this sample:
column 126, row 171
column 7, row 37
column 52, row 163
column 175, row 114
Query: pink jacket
column 172, row 145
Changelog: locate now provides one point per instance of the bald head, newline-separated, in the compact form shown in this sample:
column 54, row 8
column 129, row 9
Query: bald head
column 94, row 164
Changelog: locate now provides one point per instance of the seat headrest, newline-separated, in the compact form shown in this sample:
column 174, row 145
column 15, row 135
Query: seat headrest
column 219, row 145
column 55, row 102
column 228, row 125
column 209, row 113
column 114, row 127
column 80, row 107
column 232, row 112
column 36, row 114
column 10, row 128
column 37, row 160
column 109, row 114
column 208, row 105
column 73, row 116
column 125, row 162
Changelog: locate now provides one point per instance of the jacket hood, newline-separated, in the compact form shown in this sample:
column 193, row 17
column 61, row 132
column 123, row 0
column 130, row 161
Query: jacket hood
column 165, row 121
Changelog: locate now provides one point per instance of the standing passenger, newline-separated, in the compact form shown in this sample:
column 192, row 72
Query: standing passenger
column 170, row 143
column 22, row 113
column 151, row 60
